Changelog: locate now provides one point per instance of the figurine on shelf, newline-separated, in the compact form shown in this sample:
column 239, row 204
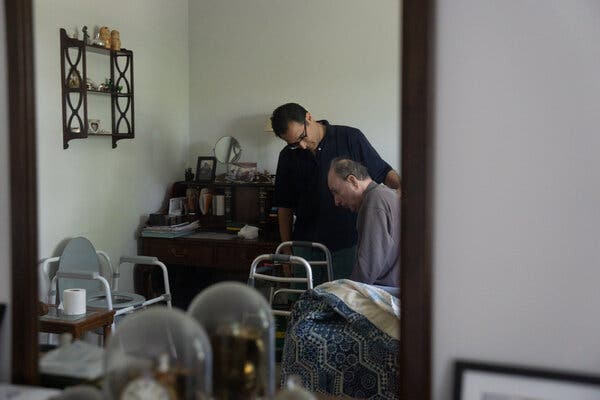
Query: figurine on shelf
column 109, row 86
column 94, row 126
column 104, row 35
column 264, row 177
column 189, row 175
column 91, row 85
column 74, row 79
column 72, row 33
column 97, row 40
column 115, row 40
column 84, row 34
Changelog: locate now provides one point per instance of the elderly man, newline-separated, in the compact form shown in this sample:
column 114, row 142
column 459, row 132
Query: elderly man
column 378, row 222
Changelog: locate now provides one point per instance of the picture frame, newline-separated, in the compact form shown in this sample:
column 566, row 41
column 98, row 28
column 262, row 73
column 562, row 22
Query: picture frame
column 243, row 172
column 205, row 169
column 176, row 205
column 487, row 381
column 94, row 126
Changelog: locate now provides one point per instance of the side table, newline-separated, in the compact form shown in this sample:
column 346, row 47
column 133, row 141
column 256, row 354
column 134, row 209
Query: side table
column 56, row 322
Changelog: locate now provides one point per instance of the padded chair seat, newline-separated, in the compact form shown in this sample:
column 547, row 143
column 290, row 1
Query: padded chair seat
column 119, row 299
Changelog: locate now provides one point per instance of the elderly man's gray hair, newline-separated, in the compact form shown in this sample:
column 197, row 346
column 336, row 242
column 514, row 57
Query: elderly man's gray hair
column 344, row 167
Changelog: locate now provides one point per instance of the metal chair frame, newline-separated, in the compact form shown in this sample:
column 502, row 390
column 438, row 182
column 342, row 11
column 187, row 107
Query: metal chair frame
column 114, row 275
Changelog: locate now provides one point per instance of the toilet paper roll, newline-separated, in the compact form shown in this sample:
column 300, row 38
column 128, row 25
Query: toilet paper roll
column 74, row 301
column 219, row 205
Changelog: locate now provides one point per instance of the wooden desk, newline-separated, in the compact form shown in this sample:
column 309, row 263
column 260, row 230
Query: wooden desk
column 93, row 319
column 195, row 263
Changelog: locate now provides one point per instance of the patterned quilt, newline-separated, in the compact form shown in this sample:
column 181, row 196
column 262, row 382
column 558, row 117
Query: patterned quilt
column 343, row 339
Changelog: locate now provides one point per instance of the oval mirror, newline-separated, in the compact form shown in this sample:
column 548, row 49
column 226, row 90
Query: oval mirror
column 228, row 150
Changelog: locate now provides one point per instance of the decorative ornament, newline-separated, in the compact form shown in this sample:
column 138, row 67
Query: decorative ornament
column 74, row 79
column 85, row 35
column 189, row 175
column 115, row 40
column 104, row 36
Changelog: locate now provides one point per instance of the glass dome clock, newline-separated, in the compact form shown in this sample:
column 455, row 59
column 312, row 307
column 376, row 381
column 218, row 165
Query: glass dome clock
column 239, row 324
column 158, row 354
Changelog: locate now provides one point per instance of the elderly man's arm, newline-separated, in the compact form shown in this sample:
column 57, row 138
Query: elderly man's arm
column 375, row 243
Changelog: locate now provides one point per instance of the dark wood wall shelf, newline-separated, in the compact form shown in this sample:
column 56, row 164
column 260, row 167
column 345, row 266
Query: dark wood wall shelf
column 75, row 92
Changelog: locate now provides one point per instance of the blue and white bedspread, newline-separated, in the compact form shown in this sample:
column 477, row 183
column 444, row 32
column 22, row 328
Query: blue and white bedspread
column 343, row 338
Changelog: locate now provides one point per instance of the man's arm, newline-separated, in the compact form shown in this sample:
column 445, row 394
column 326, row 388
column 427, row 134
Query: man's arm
column 285, row 217
column 392, row 180
column 374, row 246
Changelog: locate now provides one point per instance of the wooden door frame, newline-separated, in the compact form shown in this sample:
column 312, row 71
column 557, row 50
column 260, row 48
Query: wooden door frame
column 415, row 296
column 23, row 190
column 415, row 354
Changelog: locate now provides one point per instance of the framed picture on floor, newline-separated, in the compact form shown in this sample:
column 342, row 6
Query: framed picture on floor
column 485, row 381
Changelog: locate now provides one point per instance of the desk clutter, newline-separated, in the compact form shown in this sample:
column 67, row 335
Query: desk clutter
column 190, row 228
column 241, row 208
column 219, row 206
column 170, row 231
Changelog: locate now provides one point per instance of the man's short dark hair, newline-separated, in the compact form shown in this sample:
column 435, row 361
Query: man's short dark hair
column 283, row 115
column 344, row 167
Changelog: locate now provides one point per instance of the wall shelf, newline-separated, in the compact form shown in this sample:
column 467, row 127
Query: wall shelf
column 75, row 92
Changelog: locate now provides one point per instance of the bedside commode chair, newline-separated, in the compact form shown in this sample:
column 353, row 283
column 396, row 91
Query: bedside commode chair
column 81, row 265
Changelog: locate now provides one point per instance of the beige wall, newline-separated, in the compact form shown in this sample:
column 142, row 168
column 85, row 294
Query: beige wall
column 517, row 194
column 248, row 57
column 91, row 189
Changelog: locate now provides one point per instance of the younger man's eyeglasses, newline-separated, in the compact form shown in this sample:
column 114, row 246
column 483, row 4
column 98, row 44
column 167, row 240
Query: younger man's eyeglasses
column 296, row 144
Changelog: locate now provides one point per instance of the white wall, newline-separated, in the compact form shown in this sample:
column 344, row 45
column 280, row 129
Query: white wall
column 5, row 276
column 248, row 57
column 517, row 194
column 91, row 189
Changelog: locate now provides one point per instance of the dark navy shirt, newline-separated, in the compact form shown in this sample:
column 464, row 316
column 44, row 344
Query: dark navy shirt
column 301, row 184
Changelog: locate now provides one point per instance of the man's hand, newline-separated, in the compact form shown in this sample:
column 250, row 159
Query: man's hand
column 285, row 218
column 392, row 180
column 286, row 268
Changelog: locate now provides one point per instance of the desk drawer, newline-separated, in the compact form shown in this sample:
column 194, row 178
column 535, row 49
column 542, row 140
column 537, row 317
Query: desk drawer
column 238, row 258
column 248, row 254
column 180, row 253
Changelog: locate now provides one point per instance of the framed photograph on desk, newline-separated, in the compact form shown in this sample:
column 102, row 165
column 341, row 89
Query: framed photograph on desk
column 205, row 169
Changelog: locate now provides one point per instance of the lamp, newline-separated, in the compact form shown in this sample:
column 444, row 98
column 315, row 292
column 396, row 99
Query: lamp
column 268, row 127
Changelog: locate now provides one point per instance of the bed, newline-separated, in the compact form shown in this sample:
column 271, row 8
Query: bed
column 343, row 339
